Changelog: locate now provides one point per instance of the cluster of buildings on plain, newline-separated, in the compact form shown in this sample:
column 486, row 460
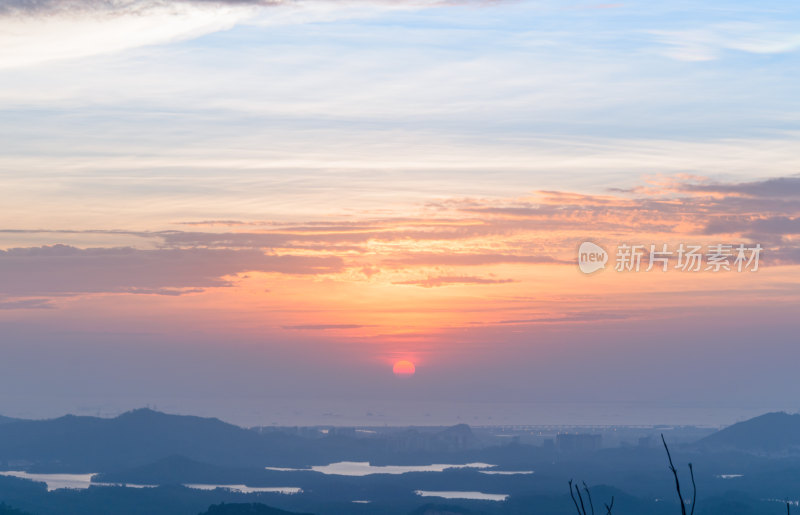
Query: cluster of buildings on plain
column 587, row 439
column 463, row 437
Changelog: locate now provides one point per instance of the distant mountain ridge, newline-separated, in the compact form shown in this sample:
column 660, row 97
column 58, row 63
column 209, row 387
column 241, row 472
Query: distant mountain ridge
column 175, row 470
column 771, row 433
column 143, row 437
column 134, row 438
column 246, row 509
column 8, row 420
column 8, row 510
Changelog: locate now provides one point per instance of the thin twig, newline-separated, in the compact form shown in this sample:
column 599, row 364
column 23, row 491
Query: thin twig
column 580, row 498
column 674, row 473
column 571, row 494
column 694, row 488
column 589, row 495
column 609, row 506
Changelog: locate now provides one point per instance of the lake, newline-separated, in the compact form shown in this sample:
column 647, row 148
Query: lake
column 244, row 489
column 364, row 468
column 477, row 496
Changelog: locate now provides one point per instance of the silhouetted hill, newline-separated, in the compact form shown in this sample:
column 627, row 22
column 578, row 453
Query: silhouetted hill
column 451, row 439
column 137, row 438
column 132, row 439
column 8, row 420
column 170, row 470
column 441, row 509
column 770, row 433
column 246, row 509
column 5, row 509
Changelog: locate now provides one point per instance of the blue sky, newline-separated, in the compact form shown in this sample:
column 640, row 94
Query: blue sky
column 151, row 148
column 516, row 88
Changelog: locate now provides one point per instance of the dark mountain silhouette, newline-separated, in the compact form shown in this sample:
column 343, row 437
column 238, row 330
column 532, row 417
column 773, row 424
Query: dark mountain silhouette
column 5, row 509
column 8, row 420
column 170, row 470
column 441, row 509
column 135, row 438
column 772, row 433
column 140, row 437
column 246, row 509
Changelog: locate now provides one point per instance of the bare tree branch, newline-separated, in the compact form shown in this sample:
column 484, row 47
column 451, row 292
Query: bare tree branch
column 571, row 494
column 581, row 508
column 589, row 495
column 609, row 506
column 674, row 473
column 580, row 498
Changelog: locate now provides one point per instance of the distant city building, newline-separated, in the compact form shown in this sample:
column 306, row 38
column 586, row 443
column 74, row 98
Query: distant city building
column 456, row 438
column 342, row 431
column 575, row 442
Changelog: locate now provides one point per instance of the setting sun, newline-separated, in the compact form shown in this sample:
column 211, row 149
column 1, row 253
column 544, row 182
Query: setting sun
column 404, row 369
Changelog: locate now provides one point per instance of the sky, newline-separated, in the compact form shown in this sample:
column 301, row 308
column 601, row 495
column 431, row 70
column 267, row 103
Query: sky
column 253, row 210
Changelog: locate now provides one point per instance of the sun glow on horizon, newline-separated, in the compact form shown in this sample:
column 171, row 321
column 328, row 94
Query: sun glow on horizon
column 404, row 368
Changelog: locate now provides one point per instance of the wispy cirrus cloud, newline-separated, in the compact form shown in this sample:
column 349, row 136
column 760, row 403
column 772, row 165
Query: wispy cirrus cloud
column 451, row 280
column 43, row 7
column 466, row 258
column 33, row 32
column 37, row 31
column 61, row 7
column 710, row 42
column 64, row 270
column 779, row 187
column 781, row 225
column 26, row 304
column 465, row 241
column 582, row 316
column 322, row 327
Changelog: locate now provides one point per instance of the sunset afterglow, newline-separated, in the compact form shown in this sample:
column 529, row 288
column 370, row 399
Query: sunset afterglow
column 403, row 369
column 274, row 203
